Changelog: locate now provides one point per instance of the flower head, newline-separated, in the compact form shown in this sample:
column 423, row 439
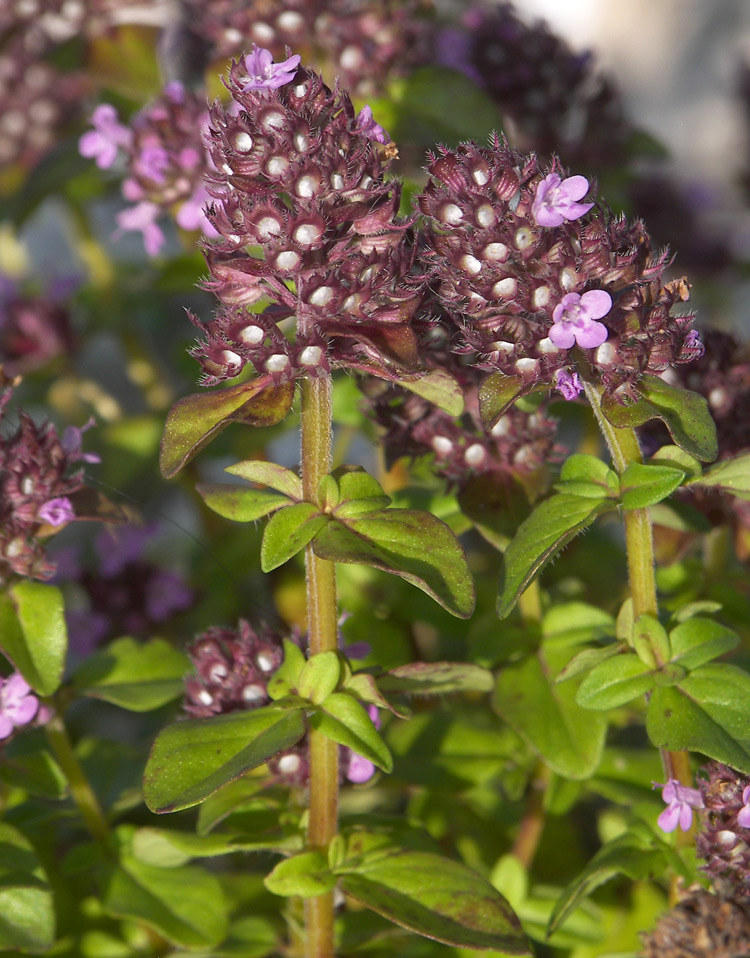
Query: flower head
column 724, row 838
column 17, row 705
column 574, row 318
column 102, row 143
column 556, row 199
column 681, row 801
column 264, row 74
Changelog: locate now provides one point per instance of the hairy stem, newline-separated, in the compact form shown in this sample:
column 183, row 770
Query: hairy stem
column 80, row 788
column 322, row 623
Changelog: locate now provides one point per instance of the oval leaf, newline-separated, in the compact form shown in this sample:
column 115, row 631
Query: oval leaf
column 549, row 527
column 411, row 544
column 139, row 676
column 195, row 420
column 305, row 875
column 238, row 502
column 436, row 678
column 496, row 395
column 697, row 641
column 33, row 633
column 342, row 719
column 27, row 915
column 437, row 898
column 732, row 476
column 288, row 532
column 614, row 682
column 269, row 474
column 192, row 759
column 319, row 677
column 646, row 485
column 437, row 387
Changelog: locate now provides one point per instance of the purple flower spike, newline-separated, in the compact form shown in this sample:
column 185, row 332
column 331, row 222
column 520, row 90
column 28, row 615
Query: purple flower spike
column 142, row 217
column 743, row 816
column 574, row 319
column 56, row 512
column 556, row 199
column 17, row 706
column 366, row 125
column 264, row 74
column 108, row 135
column 568, row 384
column 681, row 801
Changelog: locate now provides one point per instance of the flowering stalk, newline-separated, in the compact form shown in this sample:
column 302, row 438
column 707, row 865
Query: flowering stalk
column 322, row 628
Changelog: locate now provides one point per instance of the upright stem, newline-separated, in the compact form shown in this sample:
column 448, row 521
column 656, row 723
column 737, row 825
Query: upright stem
column 322, row 624
column 80, row 789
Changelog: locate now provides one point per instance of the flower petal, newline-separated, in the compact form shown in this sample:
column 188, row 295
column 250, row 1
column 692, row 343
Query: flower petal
column 574, row 187
column 669, row 818
column 590, row 335
column 596, row 303
column 562, row 335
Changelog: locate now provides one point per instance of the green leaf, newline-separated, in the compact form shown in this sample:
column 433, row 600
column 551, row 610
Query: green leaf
column 646, row 485
column 288, row 532
column 285, row 678
column 411, row 544
column 631, row 854
column 437, row 387
column 588, row 476
column 567, row 736
column 496, row 395
column 697, row 641
column 678, row 459
column 238, row 502
column 685, row 414
column 185, row 905
column 33, row 633
column 192, row 759
column 584, row 661
column 650, row 641
column 195, row 420
column 365, row 688
column 269, row 474
column 27, row 915
column 614, row 682
column 29, row 766
column 139, row 676
column 319, row 677
column 359, row 493
column 305, row 875
column 169, row 848
column 547, row 530
column 344, row 720
column 567, row 624
column 436, row 678
column 731, row 475
column 706, row 712
column 231, row 797
column 435, row 897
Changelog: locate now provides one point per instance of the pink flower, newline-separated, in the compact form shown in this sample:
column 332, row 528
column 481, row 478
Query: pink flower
column 17, row 706
column 743, row 816
column 681, row 801
column 360, row 769
column 574, row 319
column 142, row 217
column 72, row 443
column 102, row 143
column 568, row 384
column 56, row 512
column 555, row 199
column 264, row 74
column 366, row 125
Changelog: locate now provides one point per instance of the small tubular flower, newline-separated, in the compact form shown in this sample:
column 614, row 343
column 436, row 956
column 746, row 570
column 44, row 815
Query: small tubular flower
column 556, row 199
column 17, row 705
column 106, row 139
column 681, row 800
column 264, row 74
column 573, row 319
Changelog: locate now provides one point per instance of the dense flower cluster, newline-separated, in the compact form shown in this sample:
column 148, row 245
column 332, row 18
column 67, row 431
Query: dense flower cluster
column 364, row 42
column 555, row 100
column 166, row 161
column 39, row 25
column 33, row 329
column 232, row 671
column 308, row 222
column 724, row 840
column 38, row 479
column 530, row 272
column 701, row 925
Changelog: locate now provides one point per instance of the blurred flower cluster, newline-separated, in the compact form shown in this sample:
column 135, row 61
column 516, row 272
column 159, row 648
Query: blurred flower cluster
column 34, row 329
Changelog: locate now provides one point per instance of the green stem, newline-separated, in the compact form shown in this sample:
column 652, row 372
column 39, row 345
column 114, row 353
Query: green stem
column 322, row 623
column 80, row 789
column 639, row 543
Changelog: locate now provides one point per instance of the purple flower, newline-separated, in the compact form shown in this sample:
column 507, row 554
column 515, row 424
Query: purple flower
column 360, row 769
column 555, row 199
column 681, row 801
column 191, row 216
column 264, row 74
column 743, row 816
column 568, row 384
column 366, row 125
column 72, row 443
column 56, row 512
column 17, row 706
column 152, row 162
column 142, row 217
column 102, row 143
column 573, row 319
